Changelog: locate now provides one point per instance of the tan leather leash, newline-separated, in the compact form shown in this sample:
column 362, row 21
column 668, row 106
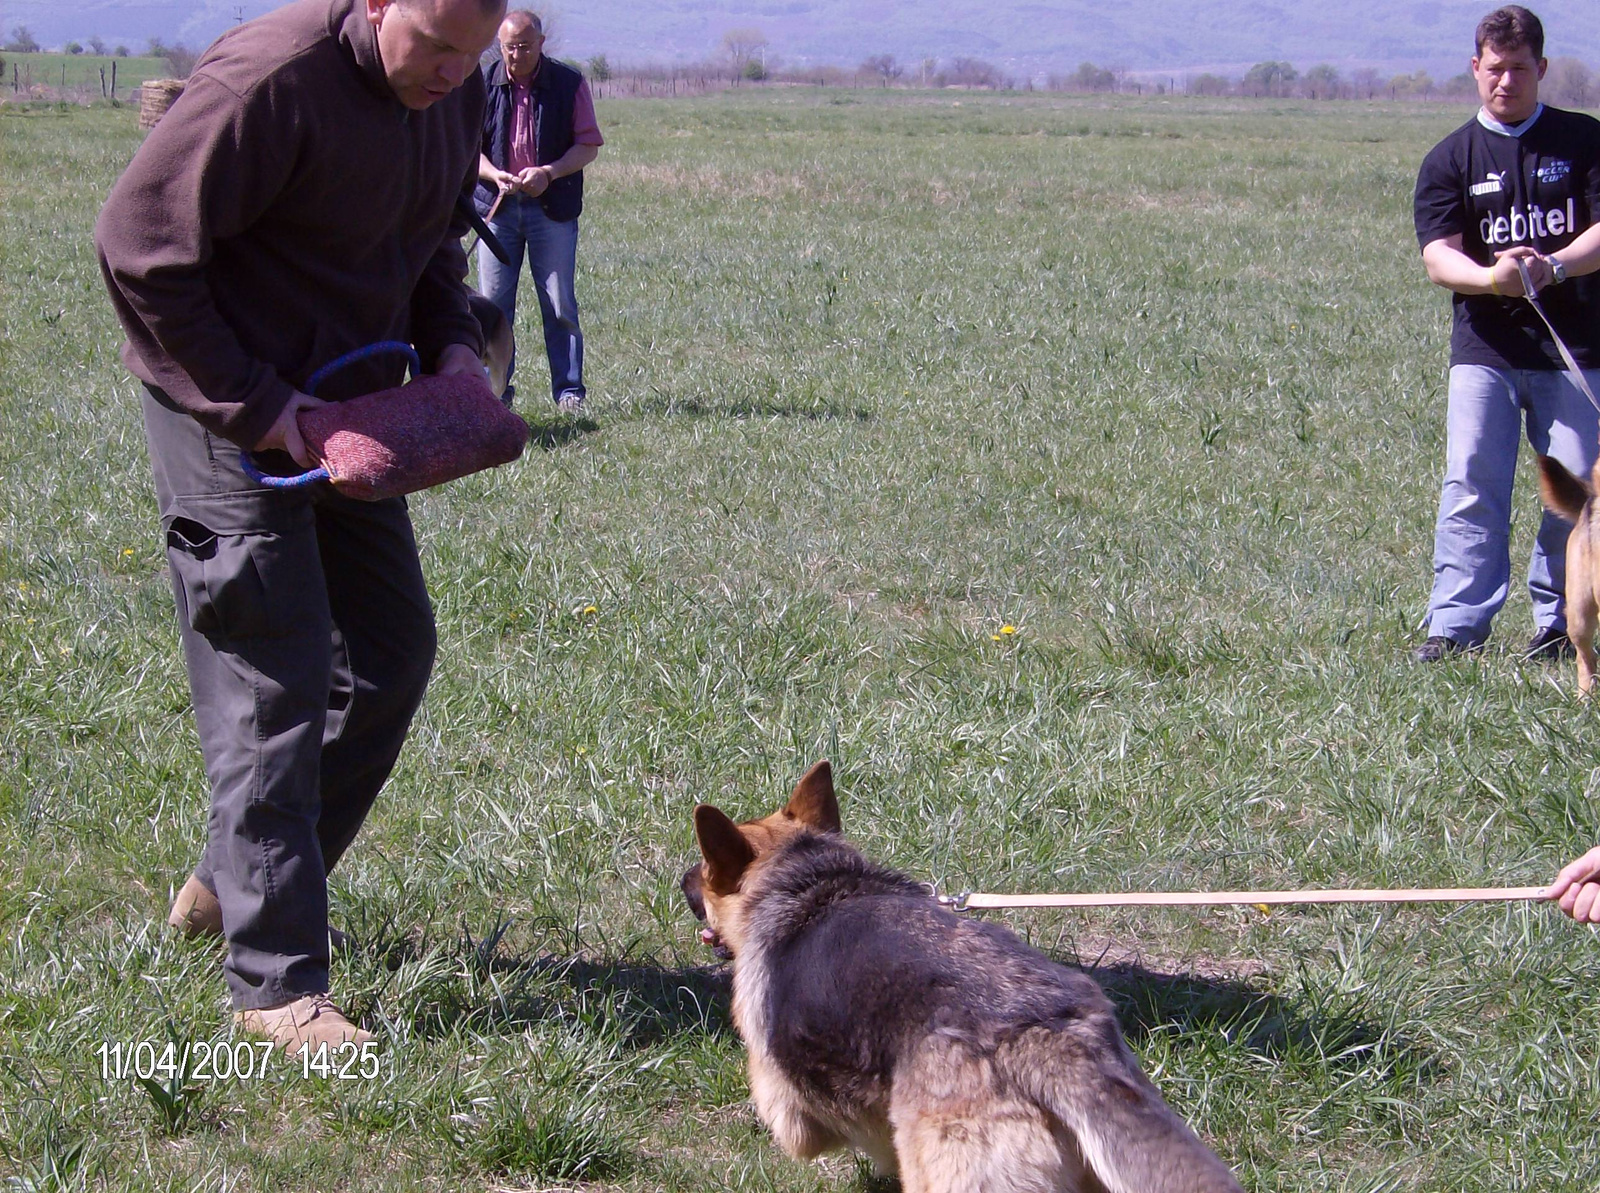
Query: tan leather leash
column 1573, row 370
column 982, row 901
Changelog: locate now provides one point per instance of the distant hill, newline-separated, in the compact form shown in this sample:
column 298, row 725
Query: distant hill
column 1028, row 38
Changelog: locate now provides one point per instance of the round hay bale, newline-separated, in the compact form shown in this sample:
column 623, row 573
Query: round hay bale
column 155, row 97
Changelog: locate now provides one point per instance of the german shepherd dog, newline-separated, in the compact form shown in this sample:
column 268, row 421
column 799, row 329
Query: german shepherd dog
column 1568, row 497
column 944, row 1048
column 498, row 342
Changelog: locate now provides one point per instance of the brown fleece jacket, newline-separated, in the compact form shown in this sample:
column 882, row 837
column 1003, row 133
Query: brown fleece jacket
column 287, row 209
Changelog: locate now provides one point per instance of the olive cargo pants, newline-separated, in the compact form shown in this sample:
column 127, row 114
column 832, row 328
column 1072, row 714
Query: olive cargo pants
column 309, row 639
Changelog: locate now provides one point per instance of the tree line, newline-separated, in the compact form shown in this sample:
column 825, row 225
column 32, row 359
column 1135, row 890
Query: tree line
column 746, row 56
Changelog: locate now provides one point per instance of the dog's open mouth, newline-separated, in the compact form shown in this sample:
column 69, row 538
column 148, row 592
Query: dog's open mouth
column 691, row 892
column 714, row 942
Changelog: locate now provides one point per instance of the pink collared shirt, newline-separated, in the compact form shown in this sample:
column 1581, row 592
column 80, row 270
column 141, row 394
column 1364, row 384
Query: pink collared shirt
column 524, row 148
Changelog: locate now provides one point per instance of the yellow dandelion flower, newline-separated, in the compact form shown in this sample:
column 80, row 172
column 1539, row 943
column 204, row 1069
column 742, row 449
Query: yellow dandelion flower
column 1008, row 629
column 127, row 551
column 1262, row 908
column 588, row 609
column 994, row 637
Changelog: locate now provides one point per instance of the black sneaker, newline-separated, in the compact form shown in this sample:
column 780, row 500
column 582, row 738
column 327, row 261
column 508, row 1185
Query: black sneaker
column 1549, row 645
column 1438, row 648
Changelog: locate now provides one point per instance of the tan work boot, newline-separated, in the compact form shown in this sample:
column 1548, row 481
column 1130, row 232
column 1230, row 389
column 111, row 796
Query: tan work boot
column 196, row 912
column 308, row 1022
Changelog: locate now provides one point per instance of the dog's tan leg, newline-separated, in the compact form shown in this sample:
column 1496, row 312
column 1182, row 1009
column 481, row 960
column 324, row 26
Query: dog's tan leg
column 781, row 1107
column 1005, row 1147
column 1583, row 603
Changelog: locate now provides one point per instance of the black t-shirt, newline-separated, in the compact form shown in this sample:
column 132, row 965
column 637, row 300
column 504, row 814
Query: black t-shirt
column 1496, row 191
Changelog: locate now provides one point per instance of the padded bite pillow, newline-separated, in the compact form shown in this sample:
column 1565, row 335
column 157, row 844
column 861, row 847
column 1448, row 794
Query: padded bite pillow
column 428, row 431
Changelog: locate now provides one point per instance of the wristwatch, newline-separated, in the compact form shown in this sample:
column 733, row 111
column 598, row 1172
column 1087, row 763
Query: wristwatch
column 1558, row 271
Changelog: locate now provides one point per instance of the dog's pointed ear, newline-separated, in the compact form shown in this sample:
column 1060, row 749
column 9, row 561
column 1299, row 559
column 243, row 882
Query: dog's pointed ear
column 812, row 803
column 727, row 854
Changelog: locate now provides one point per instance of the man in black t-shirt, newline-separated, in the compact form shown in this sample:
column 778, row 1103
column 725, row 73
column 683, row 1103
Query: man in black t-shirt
column 1518, row 181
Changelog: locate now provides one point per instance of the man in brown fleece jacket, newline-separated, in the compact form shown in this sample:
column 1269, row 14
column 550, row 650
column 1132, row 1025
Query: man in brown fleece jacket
column 296, row 202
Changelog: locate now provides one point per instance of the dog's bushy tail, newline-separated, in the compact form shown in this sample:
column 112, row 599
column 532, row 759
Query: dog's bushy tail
column 1562, row 493
column 1082, row 1074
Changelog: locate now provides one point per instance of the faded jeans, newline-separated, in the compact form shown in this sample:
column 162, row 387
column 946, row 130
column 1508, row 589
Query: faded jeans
column 551, row 249
column 1472, row 541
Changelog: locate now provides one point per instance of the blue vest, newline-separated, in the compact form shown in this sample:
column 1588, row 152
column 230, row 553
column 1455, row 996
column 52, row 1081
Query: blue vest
column 555, row 91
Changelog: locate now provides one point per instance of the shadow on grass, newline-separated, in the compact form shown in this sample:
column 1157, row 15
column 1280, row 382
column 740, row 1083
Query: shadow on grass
column 547, row 436
column 1189, row 1006
column 642, row 1003
column 734, row 408
column 485, row 988
column 656, row 1002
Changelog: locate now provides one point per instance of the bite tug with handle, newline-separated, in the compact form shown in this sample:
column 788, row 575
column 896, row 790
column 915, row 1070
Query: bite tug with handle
column 431, row 430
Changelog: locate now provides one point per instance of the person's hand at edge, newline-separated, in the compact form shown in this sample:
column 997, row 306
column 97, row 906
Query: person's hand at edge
column 1577, row 890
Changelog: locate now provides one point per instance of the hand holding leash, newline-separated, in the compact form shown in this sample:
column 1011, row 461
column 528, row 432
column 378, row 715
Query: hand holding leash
column 1577, row 888
column 1531, row 293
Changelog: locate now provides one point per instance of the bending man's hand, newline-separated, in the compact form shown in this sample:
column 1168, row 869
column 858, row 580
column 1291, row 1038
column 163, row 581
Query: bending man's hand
column 284, row 434
column 1577, row 888
column 462, row 360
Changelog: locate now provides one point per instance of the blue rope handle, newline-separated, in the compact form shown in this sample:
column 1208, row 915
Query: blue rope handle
column 382, row 347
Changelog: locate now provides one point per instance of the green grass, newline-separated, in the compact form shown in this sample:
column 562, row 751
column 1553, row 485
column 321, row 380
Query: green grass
column 1158, row 384
column 77, row 72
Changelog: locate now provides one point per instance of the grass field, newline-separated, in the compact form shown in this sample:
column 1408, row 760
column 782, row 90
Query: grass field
column 76, row 73
column 874, row 375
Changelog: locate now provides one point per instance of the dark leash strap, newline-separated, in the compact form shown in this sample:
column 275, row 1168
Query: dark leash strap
column 1573, row 370
column 481, row 227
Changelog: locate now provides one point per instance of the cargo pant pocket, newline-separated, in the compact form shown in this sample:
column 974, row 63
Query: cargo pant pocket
column 220, row 580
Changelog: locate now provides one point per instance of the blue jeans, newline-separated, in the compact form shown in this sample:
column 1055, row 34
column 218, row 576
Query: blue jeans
column 1472, row 542
column 551, row 248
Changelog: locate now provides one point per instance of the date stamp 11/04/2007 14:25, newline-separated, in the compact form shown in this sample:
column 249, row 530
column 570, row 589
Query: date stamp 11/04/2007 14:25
column 235, row 1060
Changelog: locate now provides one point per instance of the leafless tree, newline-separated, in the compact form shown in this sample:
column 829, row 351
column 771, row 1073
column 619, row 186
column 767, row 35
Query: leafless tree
column 1322, row 82
column 180, row 60
column 971, row 72
column 884, row 66
column 1412, row 86
column 1569, row 83
column 1089, row 77
column 742, row 47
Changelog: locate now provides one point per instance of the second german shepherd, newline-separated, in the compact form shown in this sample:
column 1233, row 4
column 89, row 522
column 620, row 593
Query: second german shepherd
column 1568, row 497
column 946, row 1049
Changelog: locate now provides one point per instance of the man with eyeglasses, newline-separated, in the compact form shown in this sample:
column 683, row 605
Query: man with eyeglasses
column 539, row 132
